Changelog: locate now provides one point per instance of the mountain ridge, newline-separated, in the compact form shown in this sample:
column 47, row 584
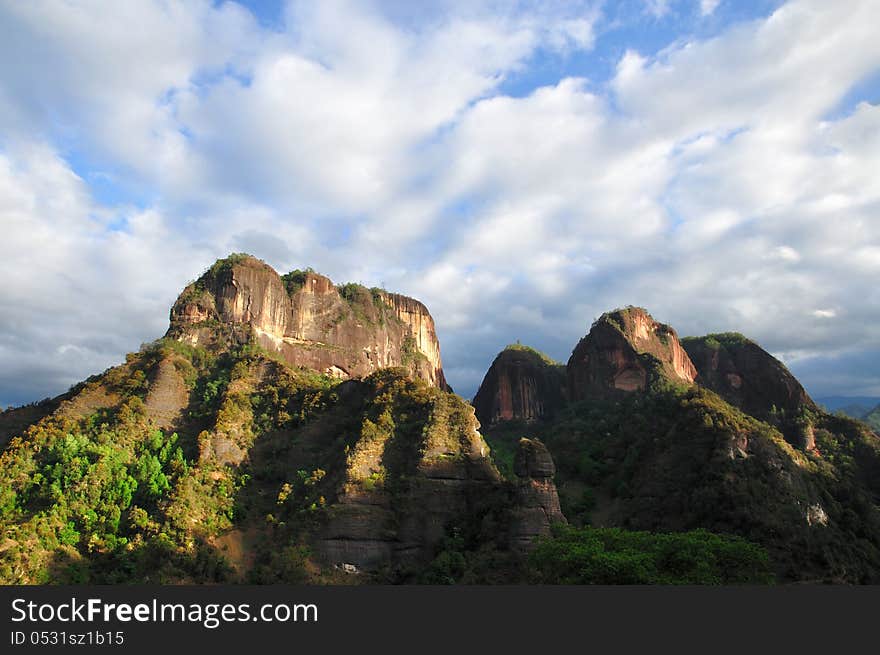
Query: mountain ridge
column 287, row 429
column 648, row 441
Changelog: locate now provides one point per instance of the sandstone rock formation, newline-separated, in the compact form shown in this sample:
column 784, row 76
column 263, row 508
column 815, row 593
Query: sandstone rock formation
column 627, row 350
column 521, row 384
column 746, row 375
column 397, row 492
column 536, row 500
column 749, row 377
column 347, row 331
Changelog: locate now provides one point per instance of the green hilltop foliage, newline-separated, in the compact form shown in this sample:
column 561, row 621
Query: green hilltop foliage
column 518, row 347
column 719, row 339
column 614, row 556
column 295, row 280
column 366, row 303
column 226, row 264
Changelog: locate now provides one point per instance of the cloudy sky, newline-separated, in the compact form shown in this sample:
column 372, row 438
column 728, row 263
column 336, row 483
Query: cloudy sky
column 521, row 167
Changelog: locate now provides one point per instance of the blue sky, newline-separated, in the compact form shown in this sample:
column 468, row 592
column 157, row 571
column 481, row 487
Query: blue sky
column 521, row 167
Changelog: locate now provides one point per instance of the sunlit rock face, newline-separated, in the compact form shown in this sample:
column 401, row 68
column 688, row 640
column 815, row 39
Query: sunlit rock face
column 625, row 351
column 347, row 331
column 399, row 488
column 521, row 384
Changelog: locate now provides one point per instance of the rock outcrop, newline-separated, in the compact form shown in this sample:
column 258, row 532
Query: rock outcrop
column 347, row 331
column 750, row 378
column 536, row 500
column 398, row 491
column 746, row 375
column 521, row 384
column 627, row 350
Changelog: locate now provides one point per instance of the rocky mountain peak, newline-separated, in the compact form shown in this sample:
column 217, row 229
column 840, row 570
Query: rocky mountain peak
column 345, row 331
column 523, row 384
column 750, row 378
column 537, row 499
column 627, row 350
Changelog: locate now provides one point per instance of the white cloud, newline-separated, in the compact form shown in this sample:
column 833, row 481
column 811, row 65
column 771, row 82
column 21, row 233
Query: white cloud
column 786, row 253
column 75, row 296
column 657, row 8
column 708, row 7
column 716, row 183
column 105, row 74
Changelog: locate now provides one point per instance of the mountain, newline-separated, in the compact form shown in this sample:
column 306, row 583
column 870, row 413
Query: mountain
column 286, row 429
column 308, row 321
column 521, row 383
column 283, row 430
column 750, row 378
column 710, row 433
column 866, row 409
column 855, row 406
column 626, row 350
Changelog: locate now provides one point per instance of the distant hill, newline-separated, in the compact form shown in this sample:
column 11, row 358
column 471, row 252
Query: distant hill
column 855, row 406
column 863, row 408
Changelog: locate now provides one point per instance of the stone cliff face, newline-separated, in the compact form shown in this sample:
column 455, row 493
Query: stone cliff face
column 749, row 377
column 346, row 332
column 399, row 494
column 537, row 501
column 520, row 384
column 396, row 492
column 627, row 350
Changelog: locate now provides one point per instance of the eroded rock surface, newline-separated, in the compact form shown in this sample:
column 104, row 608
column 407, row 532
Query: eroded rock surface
column 520, row 384
column 347, row 331
column 400, row 490
column 747, row 376
column 536, row 500
column 167, row 396
column 627, row 350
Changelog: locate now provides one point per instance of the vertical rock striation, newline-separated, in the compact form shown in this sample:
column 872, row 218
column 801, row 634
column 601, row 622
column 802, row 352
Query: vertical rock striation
column 521, row 384
column 536, row 500
column 347, row 331
column 402, row 485
column 627, row 350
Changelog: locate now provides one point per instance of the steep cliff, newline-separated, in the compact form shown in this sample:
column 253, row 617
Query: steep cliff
column 521, row 384
column 746, row 375
column 728, row 442
column 627, row 350
column 347, row 331
column 416, row 465
column 749, row 377
column 537, row 501
column 204, row 458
